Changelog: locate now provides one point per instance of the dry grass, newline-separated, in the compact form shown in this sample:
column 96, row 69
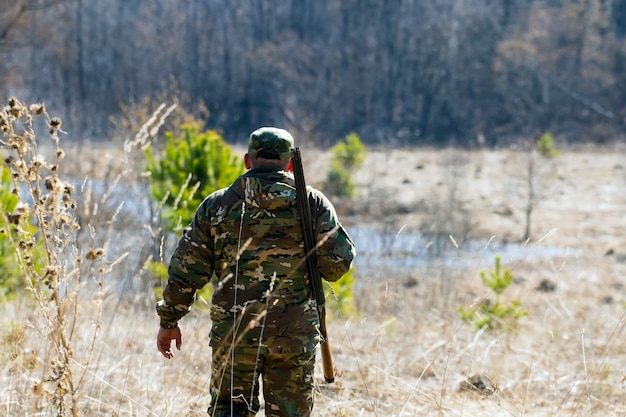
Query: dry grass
column 407, row 353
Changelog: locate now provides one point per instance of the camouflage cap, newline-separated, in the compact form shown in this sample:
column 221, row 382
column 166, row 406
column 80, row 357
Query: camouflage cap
column 270, row 143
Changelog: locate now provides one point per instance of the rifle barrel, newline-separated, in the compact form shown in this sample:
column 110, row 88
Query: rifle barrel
column 315, row 279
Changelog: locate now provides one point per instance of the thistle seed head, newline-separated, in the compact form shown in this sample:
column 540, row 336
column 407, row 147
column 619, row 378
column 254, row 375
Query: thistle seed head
column 38, row 108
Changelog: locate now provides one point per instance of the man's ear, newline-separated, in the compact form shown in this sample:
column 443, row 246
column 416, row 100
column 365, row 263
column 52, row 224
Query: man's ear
column 246, row 161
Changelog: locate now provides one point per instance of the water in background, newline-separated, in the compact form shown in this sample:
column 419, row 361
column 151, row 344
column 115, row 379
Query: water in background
column 398, row 252
column 383, row 251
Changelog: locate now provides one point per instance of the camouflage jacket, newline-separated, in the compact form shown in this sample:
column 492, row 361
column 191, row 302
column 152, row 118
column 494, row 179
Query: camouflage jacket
column 248, row 236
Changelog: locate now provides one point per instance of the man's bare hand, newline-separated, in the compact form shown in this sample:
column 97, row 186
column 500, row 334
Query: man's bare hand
column 164, row 341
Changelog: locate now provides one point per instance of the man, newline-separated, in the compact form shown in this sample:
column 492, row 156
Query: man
column 264, row 320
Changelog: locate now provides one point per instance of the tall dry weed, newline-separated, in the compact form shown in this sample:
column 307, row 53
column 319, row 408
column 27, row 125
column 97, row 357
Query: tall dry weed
column 75, row 269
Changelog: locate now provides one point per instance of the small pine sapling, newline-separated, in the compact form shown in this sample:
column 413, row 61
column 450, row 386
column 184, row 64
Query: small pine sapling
column 496, row 314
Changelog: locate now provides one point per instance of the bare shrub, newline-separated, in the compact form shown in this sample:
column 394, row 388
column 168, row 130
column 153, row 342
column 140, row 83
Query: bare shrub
column 447, row 213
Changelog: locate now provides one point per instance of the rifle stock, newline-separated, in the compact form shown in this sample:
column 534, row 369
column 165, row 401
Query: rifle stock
column 315, row 279
column 327, row 359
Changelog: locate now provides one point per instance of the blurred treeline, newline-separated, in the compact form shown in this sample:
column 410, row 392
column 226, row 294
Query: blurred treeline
column 393, row 71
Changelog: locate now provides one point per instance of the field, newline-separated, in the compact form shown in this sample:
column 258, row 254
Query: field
column 407, row 352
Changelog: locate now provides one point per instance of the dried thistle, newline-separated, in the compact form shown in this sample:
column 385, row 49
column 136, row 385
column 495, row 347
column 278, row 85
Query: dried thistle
column 22, row 209
column 38, row 108
column 16, row 109
column 51, row 276
column 13, row 218
column 94, row 254
column 55, row 125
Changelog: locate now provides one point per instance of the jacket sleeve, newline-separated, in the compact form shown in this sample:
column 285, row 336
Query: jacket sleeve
column 335, row 249
column 191, row 267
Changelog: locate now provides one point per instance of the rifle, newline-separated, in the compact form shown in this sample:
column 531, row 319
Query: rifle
column 315, row 279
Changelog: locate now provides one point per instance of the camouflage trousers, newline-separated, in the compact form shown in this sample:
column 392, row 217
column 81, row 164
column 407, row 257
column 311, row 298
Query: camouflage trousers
column 286, row 379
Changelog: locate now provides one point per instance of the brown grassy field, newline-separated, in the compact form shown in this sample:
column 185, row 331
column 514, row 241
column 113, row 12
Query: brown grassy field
column 407, row 352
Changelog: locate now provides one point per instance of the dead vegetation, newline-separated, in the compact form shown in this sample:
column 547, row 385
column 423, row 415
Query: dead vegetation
column 407, row 353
